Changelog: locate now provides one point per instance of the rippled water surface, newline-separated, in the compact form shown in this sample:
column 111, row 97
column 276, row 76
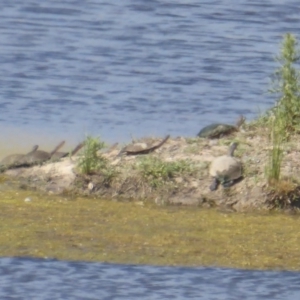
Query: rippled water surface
column 42, row 279
column 115, row 68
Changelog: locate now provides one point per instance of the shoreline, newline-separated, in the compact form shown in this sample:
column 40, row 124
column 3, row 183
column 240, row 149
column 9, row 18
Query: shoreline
column 141, row 177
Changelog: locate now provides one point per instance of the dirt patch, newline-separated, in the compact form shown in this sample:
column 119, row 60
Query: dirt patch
column 190, row 186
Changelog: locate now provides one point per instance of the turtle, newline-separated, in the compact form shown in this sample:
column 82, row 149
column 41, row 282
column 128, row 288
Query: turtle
column 59, row 155
column 11, row 160
column 217, row 130
column 225, row 169
column 37, row 156
column 141, row 148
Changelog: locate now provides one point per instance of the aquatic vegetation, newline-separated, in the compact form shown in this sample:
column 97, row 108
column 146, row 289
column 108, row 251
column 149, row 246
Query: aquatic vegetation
column 74, row 228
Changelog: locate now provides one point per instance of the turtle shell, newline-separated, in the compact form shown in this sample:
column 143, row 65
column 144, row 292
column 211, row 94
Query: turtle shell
column 142, row 148
column 216, row 130
column 13, row 159
column 39, row 156
column 226, row 168
column 135, row 147
column 35, row 157
column 58, row 155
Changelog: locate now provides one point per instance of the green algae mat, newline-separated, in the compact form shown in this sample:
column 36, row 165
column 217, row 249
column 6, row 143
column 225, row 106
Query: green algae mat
column 73, row 228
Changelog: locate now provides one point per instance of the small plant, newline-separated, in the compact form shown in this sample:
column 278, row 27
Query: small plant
column 90, row 161
column 109, row 173
column 192, row 140
column 157, row 171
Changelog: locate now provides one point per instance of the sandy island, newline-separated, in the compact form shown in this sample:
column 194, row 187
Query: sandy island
column 185, row 188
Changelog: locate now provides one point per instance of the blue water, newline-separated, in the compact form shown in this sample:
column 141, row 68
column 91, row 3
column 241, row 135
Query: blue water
column 135, row 67
column 22, row 278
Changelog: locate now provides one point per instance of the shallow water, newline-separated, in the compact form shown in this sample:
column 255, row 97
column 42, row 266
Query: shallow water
column 129, row 233
column 134, row 67
column 51, row 279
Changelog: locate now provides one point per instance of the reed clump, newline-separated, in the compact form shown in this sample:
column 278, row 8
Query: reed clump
column 284, row 118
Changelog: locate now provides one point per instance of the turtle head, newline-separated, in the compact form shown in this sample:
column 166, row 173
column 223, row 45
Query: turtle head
column 240, row 121
column 232, row 148
column 34, row 148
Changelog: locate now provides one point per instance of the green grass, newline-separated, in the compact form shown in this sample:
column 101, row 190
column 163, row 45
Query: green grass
column 92, row 161
column 284, row 118
column 275, row 157
column 286, row 85
column 157, row 171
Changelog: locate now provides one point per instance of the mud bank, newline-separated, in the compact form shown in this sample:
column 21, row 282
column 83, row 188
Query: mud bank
column 142, row 177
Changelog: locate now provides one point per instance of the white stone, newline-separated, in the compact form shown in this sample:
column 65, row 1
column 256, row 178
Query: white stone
column 90, row 186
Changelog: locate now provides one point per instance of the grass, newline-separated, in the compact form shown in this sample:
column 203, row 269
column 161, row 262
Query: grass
column 283, row 120
column 92, row 162
column 157, row 171
column 273, row 168
column 287, row 85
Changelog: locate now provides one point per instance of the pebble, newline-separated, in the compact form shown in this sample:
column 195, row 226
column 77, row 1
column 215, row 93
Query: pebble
column 90, row 186
column 27, row 199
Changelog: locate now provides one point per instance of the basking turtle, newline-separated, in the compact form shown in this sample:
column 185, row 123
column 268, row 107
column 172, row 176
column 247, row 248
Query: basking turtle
column 37, row 156
column 217, row 130
column 225, row 169
column 11, row 160
column 140, row 148
column 59, row 155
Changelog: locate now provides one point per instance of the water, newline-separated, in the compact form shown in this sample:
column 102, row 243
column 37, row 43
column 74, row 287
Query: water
column 36, row 279
column 116, row 68
column 134, row 67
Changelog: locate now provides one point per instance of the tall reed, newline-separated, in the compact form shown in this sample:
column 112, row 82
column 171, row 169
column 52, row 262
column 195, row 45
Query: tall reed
column 284, row 118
